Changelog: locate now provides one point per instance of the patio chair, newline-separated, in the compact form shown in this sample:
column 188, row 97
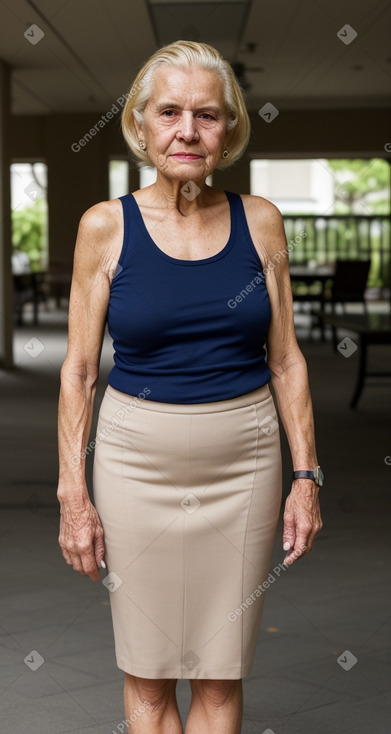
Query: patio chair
column 349, row 284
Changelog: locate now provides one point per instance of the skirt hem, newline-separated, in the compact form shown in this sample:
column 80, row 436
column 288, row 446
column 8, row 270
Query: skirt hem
column 234, row 673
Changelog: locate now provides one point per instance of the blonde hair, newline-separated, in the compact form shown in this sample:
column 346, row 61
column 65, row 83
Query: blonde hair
column 186, row 54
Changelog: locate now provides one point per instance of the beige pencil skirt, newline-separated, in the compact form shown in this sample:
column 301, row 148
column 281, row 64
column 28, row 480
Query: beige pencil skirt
column 189, row 498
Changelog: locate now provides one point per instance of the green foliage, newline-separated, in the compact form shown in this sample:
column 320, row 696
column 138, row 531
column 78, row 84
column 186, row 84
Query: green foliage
column 29, row 233
column 356, row 182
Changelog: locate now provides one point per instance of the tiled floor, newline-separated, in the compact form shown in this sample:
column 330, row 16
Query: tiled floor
column 335, row 600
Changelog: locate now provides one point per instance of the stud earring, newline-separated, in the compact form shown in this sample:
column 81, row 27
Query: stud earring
column 142, row 144
column 225, row 153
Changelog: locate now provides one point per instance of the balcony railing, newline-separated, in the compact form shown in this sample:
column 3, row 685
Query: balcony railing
column 323, row 239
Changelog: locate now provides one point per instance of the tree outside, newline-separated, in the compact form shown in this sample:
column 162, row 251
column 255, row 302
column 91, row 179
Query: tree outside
column 361, row 186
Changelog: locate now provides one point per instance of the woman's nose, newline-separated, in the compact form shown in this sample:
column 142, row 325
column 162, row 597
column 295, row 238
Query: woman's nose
column 187, row 128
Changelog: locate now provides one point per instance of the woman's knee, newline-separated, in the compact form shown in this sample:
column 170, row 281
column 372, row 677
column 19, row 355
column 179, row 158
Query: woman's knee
column 151, row 692
column 215, row 693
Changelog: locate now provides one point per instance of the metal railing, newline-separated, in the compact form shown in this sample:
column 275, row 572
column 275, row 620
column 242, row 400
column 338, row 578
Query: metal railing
column 321, row 238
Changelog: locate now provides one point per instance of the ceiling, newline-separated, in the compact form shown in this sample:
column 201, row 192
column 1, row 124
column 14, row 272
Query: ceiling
column 292, row 56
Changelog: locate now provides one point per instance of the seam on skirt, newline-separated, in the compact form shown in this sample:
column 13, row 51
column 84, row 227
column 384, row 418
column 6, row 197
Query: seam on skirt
column 245, row 533
column 183, row 590
column 184, row 538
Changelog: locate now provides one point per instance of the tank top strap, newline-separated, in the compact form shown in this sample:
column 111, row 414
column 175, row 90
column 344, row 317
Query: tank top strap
column 239, row 216
column 131, row 220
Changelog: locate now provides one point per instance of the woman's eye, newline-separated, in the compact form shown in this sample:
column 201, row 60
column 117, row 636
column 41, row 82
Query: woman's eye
column 171, row 113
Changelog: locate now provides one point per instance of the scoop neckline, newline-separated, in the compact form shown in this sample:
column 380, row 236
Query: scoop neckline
column 199, row 261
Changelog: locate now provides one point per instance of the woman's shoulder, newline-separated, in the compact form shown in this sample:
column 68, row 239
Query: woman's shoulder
column 100, row 235
column 102, row 218
column 260, row 208
column 265, row 223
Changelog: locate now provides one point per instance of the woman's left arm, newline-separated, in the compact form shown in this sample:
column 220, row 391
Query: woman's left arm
column 302, row 520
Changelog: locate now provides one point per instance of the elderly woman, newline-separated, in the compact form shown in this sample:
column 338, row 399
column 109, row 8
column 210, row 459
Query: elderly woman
column 194, row 283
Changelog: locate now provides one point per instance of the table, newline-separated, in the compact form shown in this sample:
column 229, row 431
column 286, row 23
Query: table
column 372, row 328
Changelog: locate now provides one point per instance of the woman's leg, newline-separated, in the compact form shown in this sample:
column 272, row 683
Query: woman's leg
column 216, row 707
column 151, row 706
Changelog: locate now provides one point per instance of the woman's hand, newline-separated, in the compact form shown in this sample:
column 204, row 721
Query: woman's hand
column 81, row 537
column 302, row 520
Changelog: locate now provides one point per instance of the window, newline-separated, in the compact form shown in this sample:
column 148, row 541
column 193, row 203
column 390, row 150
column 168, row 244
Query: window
column 118, row 178
column 29, row 217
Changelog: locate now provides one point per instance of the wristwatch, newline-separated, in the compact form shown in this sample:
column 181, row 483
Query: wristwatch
column 315, row 474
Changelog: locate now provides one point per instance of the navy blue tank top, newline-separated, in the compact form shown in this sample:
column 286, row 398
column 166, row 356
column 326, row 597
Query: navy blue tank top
column 191, row 331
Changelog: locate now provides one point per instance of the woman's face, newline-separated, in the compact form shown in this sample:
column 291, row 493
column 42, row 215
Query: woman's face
column 185, row 122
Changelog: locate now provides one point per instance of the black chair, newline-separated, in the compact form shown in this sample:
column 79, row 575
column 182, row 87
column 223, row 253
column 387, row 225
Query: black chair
column 28, row 288
column 349, row 284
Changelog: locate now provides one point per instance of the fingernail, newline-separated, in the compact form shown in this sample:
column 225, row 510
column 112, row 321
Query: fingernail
column 102, row 563
column 286, row 545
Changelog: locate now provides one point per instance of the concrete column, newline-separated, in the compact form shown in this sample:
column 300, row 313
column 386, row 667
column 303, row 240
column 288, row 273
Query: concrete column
column 77, row 179
column 6, row 285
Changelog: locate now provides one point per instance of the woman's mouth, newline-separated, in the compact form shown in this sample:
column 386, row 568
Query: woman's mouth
column 186, row 156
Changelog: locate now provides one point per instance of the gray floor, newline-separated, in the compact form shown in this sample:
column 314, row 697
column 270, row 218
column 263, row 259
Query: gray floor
column 334, row 604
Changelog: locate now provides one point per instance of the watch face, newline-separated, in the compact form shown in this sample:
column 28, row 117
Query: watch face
column 320, row 477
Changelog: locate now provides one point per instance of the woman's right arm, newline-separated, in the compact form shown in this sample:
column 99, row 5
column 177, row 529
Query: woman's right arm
column 96, row 253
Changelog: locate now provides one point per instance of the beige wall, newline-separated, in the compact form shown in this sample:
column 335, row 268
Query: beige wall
column 77, row 180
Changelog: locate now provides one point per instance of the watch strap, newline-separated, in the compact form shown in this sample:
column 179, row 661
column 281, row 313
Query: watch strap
column 305, row 474
column 315, row 474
